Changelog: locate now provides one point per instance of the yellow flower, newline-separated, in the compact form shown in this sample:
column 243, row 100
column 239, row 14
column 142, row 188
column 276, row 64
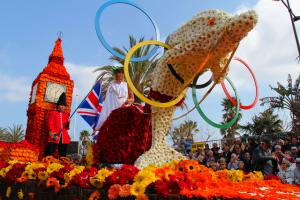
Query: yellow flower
column 32, row 175
column 12, row 162
column 137, row 189
column 8, row 192
column 235, row 175
column 54, row 167
column 90, row 157
column 20, row 194
column 146, row 177
column 33, row 166
column 103, row 173
column 68, row 176
column 96, row 182
column 259, row 175
column 43, row 175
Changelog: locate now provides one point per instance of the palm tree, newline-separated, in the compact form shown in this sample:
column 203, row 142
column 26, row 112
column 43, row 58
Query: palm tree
column 287, row 98
column 15, row 133
column 140, row 72
column 179, row 134
column 229, row 112
column 84, row 136
column 3, row 134
column 266, row 123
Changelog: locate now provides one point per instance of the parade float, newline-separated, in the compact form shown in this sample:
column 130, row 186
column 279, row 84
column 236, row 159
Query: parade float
column 137, row 137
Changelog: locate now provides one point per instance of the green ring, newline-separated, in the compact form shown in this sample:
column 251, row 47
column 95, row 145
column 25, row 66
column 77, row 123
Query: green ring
column 206, row 119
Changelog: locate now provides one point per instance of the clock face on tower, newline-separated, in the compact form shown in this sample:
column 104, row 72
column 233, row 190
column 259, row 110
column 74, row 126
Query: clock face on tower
column 33, row 96
column 53, row 92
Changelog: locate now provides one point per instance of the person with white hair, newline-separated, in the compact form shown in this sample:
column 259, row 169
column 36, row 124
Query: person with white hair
column 285, row 172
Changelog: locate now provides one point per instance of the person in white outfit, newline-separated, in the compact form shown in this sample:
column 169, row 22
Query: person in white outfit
column 117, row 95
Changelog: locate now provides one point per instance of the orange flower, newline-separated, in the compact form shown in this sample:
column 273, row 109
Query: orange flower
column 94, row 196
column 188, row 166
column 124, row 190
column 22, row 179
column 113, row 192
column 51, row 182
column 142, row 197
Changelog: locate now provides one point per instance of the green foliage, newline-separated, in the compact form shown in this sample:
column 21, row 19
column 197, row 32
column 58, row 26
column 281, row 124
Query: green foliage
column 3, row 134
column 12, row 134
column 229, row 111
column 140, row 72
column 287, row 98
column 179, row 134
column 265, row 123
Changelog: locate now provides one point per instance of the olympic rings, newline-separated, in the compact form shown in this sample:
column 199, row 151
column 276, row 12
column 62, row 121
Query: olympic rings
column 246, row 107
column 108, row 47
column 206, row 119
column 131, row 85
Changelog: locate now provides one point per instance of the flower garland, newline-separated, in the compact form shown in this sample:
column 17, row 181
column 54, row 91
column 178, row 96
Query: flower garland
column 186, row 178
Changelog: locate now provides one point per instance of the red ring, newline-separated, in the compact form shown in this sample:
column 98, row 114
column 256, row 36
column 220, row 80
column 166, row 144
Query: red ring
column 256, row 87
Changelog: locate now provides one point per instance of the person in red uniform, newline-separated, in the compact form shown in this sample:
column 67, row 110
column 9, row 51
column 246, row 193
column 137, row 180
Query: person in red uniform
column 58, row 124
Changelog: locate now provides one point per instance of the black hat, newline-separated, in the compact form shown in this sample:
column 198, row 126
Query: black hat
column 62, row 100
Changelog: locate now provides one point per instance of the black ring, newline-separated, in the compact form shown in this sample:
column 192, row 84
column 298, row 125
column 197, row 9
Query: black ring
column 178, row 77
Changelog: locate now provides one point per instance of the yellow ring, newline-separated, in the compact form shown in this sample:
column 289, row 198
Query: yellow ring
column 133, row 88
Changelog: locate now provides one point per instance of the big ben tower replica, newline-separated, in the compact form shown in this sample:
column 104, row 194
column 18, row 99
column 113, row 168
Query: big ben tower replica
column 45, row 91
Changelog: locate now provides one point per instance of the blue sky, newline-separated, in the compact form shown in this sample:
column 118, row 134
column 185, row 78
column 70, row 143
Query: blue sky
column 29, row 29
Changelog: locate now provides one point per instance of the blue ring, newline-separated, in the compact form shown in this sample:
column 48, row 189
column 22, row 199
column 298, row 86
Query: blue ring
column 108, row 47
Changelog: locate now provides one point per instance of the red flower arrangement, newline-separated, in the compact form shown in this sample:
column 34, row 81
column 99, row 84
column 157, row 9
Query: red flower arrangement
column 83, row 179
column 125, row 135
column 122, row 176
column 3, row 164
column 15, row 172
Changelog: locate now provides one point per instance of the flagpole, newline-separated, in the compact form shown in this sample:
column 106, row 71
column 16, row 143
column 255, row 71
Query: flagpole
column 83, row 100
column 74, row 131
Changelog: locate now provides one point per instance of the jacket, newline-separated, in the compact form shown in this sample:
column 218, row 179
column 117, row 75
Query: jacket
column 58, row 124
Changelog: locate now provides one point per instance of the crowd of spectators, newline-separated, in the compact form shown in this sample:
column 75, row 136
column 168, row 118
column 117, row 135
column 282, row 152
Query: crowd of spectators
column 279, row 157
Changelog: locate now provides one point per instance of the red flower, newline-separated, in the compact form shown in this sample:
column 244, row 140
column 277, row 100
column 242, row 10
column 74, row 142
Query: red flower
column 162, row 188
column 271, row 177
column 3, row 164
column 15, row 172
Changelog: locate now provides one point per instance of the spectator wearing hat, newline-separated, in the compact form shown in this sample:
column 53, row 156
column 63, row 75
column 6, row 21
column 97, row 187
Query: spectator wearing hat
column 58, row 124
column 285, row 172
column 262, row 158
column 297, row 172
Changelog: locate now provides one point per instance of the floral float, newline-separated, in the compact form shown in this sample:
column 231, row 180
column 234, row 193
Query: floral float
column 21, row 151
column 205, row 43
column 185, row 178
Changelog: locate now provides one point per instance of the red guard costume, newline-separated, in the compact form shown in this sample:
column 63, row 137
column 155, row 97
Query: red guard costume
column 58, row 124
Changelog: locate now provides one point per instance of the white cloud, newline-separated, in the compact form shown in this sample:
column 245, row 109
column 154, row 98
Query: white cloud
column 270, row 48
column 14, row 88
column 84, row 79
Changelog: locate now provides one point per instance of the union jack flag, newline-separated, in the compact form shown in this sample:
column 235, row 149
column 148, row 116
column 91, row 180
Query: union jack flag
column 89, row 109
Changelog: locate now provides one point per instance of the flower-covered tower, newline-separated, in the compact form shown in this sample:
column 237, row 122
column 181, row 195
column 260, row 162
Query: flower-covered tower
column 45, row 91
